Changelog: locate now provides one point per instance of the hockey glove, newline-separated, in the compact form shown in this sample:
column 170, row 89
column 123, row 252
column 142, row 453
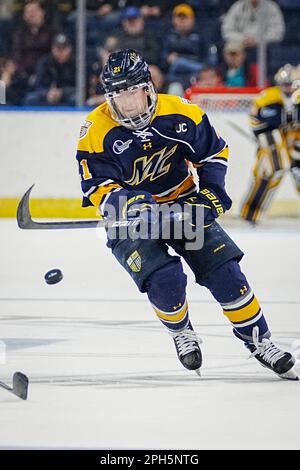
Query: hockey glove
column 213, row 204
column 141, row 205
column 138, row 203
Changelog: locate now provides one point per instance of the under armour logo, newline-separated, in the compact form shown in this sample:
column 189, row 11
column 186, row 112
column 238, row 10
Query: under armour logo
column 175, row 307
column 147, row 146
column 243, row 290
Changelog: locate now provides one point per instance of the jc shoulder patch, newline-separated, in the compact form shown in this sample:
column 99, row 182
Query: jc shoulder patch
column 84, row 129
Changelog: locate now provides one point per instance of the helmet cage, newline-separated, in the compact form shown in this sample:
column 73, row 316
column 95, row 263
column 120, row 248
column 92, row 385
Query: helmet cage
column 288, row 79
column 140, row 120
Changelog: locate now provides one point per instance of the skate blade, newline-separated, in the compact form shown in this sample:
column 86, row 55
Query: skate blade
column 289, row 375
column 198, row 372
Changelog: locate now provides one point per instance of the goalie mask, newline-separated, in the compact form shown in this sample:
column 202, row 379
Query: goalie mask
column 129, row 90
column 288, row 79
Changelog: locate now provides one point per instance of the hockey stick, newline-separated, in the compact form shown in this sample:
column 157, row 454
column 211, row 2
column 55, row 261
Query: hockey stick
column 25, row 221
column 20, row 385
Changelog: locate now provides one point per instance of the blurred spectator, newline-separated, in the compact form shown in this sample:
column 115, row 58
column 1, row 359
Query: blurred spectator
column 106, row 15
column 184, row 52
column 15, row 82
column 55, row 79
column 157, row 78
column 133, row 35
column 54, row 8
column 148, row 8
column 241, row 23
column 5, row 37
column 103, row 7
column 151, row 10
column 58, row 12
column 32, row 39
column 165, row 7
column 235, row 69
column 95, row 91
column 208, row 77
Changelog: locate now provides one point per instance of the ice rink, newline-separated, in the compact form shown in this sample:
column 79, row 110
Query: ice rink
column 104, row 373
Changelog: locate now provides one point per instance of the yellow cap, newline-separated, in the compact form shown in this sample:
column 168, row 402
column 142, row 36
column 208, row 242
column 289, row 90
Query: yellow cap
column 183, row 9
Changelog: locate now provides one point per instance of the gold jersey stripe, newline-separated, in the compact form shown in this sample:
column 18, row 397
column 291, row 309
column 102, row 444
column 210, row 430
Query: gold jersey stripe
column 102, row 123
column 97, row 197
column 224, row 153
column 186, row 185
column 172, row 318
column 244, row 313
column 169, row 104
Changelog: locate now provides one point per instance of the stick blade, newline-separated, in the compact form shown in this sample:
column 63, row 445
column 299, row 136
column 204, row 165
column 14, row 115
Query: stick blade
column 25, row 221
column 23, row 213
column 20, row 385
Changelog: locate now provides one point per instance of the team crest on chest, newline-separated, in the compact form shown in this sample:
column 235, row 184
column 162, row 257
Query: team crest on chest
column 152, row 167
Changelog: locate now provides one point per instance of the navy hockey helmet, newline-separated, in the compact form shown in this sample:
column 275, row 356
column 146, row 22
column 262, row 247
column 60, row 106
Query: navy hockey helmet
column 124, row 69
column 127, row 70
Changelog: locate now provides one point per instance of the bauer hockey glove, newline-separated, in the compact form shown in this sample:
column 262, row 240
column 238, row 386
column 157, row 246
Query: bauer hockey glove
column 141, row 205
column 212, row 203
column 138, row 204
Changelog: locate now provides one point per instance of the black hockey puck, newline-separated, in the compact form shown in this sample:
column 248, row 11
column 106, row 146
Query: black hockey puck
column 54, row 276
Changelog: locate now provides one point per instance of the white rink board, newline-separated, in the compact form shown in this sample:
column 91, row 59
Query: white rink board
column 40, row 147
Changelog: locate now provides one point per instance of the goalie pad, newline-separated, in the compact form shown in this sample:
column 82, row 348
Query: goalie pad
column 272, row 154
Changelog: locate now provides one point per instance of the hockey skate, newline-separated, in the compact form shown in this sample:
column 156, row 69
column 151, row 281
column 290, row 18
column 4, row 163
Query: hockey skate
column 187, row 348
column 270, row 356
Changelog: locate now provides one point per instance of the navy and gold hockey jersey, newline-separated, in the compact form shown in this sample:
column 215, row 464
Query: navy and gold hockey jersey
column 271, row 110
column 114, row 158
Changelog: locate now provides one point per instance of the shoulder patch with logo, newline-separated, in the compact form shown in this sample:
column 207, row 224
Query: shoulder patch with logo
column 84, row 129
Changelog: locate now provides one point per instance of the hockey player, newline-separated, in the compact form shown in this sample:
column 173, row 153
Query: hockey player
column 132, row 152
column 275, row 121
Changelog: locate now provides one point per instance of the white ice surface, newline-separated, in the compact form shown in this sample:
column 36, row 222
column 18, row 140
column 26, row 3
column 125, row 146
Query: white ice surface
column 103, row 372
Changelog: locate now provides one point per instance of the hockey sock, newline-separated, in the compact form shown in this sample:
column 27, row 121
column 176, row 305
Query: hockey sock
column 166, row 292
column 230, row 288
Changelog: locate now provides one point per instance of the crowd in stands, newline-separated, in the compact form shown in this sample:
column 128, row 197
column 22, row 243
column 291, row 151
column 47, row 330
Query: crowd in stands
column 200, row 43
